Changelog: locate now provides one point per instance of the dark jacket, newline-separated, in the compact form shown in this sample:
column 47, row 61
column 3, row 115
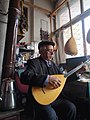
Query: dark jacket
column 37, row 71
column 35, row 75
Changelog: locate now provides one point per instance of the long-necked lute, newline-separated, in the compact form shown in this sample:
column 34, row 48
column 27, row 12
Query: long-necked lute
column 47, row 95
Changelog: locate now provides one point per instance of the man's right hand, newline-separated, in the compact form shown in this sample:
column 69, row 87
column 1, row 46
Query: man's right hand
column 53, row 81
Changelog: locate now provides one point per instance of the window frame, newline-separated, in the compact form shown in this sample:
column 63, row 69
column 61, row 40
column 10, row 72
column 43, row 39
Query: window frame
column 76, row 19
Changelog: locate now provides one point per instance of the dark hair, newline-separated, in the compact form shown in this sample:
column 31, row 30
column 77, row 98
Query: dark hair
column 44, row 43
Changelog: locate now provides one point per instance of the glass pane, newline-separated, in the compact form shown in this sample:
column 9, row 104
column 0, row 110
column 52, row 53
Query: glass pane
column 62, row 17
column 74, row 8
column 77, row 33
column 86, row 4
column 63, row 13
column 87, row 27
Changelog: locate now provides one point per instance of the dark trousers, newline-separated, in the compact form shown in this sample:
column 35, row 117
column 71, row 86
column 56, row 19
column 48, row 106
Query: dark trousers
column 59, row 110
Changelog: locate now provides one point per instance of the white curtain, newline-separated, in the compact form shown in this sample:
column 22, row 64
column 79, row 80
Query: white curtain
column 59, row 54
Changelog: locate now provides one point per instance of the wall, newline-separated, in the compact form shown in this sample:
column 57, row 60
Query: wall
column 34, row 16
column 33, row 33
column 4, row 4
column 38, row 15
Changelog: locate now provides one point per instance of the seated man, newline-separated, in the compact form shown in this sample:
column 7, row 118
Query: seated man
column 39, row 72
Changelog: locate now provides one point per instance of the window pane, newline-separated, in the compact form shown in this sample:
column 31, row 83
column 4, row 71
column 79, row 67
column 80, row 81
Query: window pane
column 62, row 17
column 86, row 4
column 75, row 8
column 63, row 14
column 87, row 27
column 77, row 33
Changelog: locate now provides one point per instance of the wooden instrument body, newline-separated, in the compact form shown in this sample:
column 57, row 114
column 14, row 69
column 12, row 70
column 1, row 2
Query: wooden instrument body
column 47, row 95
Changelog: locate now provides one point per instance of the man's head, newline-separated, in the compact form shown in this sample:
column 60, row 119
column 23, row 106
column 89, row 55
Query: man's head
column 46, row 49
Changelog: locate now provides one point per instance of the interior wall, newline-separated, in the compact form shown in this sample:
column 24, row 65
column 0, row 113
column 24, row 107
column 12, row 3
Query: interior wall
column 34, row 17
column 38, row 15
column 4, row 4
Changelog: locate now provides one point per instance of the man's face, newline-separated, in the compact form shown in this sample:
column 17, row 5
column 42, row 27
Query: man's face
column 47, row 52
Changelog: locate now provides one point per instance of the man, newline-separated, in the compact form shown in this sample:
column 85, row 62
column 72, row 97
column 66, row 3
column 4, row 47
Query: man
column 39, row 72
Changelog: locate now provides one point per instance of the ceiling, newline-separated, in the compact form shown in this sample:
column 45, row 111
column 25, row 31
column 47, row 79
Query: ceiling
column 54, row 1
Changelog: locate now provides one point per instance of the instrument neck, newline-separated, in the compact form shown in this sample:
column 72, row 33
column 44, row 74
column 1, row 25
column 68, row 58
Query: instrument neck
column 73, row 71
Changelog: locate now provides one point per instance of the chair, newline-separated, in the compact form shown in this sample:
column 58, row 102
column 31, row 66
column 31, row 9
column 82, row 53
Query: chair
column 22, row 92
column 21, row 89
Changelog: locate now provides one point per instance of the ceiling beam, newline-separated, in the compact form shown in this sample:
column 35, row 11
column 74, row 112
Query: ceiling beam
column 58, row 7
column 40, row 8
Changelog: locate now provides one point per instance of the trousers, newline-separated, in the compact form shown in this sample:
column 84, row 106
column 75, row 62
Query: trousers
column 60, row 109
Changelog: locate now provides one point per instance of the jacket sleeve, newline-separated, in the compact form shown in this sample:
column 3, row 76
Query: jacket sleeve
column 72, row 78
column 32, row 75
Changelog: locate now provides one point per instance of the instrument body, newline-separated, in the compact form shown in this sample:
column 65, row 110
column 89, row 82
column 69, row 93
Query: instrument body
column 47, row 95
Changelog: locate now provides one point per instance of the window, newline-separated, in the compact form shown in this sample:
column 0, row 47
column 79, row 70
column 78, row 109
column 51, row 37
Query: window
column 77, row 33
column 62, row 17
column 80, row 26
column 86, row 4
column 75, row 8
column 63, row 14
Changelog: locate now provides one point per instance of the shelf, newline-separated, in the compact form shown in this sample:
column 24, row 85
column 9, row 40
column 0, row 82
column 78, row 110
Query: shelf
column 25, row 50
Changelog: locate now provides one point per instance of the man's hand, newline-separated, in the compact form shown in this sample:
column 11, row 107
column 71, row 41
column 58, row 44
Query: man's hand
column 83, row 69
column 54, row 81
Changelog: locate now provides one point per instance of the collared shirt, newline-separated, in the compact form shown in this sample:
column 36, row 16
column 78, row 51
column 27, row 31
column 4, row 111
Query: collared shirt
column 49, row 64
column 46, row 81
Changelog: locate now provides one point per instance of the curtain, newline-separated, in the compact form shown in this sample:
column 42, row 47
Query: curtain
column 59, row 53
